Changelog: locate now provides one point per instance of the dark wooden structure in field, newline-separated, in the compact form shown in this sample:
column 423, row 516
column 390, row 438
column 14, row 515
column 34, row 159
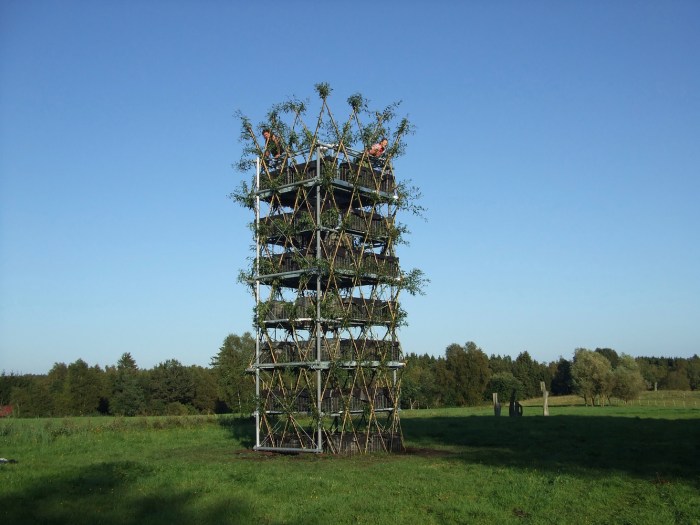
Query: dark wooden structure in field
column 326, row 280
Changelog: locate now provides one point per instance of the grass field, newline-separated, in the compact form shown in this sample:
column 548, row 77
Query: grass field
column 637, row 463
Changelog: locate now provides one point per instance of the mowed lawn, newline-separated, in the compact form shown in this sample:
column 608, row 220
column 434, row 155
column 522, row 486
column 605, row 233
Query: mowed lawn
column 635, row 464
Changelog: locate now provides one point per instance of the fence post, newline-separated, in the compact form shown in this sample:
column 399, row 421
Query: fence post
column 545, row 399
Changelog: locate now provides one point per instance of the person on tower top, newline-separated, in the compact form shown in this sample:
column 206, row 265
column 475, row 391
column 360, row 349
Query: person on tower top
column 379, row 148
column 273, row 145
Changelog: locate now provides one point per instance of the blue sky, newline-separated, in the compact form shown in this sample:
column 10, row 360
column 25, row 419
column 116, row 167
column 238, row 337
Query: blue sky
column 557, row 146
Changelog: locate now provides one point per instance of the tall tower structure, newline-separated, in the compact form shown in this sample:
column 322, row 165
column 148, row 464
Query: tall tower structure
column 326, row 281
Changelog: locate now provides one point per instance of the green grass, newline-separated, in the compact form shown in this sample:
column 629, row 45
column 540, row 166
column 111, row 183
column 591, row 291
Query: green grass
column 660, row 399
column 620, row 464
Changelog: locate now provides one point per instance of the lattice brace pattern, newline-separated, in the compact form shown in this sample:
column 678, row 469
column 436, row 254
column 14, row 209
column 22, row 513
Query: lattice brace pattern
column 361, row 404
column 286, row 404
column 327, row 281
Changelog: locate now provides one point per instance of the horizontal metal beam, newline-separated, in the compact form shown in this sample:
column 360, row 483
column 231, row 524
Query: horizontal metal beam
column 288, row 450
column 323, row 365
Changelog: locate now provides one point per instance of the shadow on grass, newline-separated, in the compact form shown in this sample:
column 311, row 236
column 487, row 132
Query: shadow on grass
column 241, row 428
column 585, row 445
column 593, row 446
column 116, row 493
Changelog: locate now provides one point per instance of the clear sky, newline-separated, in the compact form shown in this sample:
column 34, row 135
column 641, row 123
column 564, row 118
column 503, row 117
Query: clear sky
column 557, row 146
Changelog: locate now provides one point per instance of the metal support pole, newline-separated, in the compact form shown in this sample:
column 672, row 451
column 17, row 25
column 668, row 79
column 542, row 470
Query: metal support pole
column 257, row 302
column 319, row 443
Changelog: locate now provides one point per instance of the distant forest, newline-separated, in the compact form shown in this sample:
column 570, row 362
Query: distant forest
column 464, row 375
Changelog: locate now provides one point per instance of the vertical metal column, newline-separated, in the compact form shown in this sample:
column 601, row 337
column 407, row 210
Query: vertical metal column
column 258, row 332
column 319, row 443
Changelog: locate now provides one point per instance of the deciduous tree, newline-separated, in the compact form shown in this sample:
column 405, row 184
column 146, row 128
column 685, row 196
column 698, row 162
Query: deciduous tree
column 84, row 389
column 627, row 381
column 418, row 384
column 205, row 389
column 504, row 384
column 171, row 384
column 592, row 376
column 235, row 388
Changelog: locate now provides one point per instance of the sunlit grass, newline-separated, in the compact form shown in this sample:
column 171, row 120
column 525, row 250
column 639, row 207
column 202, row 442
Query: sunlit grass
column 661, row 398
column 618, row 464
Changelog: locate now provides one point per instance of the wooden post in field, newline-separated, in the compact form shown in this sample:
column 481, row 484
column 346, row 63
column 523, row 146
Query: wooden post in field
column 545, row 399
column 515, row 409
column 496, row 405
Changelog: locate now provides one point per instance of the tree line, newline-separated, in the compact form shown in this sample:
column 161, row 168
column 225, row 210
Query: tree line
column 463, row 376
column 467, row 376
column 170, row 388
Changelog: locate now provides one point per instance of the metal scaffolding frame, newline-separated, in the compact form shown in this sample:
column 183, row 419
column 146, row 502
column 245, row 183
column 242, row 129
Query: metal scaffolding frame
column 326, row 280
